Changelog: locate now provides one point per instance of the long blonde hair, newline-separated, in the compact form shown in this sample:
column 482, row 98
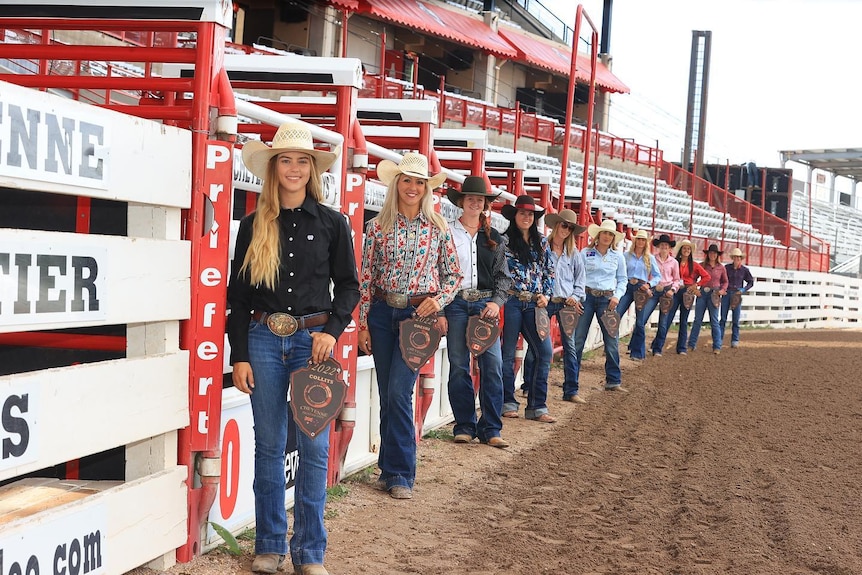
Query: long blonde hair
column 389, row 211
column 568, row 243
column 263, row 257
column 646, row 257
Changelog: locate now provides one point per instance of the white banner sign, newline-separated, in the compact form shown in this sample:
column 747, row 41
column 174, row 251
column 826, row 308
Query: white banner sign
column 70, row 544
column 19, row 424
column 42, row 282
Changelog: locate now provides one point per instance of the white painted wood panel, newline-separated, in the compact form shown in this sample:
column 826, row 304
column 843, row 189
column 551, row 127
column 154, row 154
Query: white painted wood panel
column 137, row 280
column 84, row 409
column 117, row 529
column 53, row 144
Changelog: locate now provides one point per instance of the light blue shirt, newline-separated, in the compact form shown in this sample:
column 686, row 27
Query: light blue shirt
column 637, row 269
column 605, row 272
column 570, row 275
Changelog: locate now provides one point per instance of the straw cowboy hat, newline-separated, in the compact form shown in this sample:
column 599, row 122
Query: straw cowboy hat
column 682, row 244
column 607, row 226
column 713, row 248
column 524, row 202
column 736, row 253
column 290, row 137
column 411, row 164
column 641, row 234
column 472, row 186
column 663, row 239
column 567, row 216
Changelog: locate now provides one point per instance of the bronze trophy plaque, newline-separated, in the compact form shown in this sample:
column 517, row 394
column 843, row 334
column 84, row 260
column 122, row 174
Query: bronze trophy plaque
column 481, row 334
column 641, row 297
column 735, row 299
column 317, row 395
column 688, row 299
column 715, row 297
column 664, row 303
column 419, row 340
column 611, row 321
column 568, row 320
column 543, row 323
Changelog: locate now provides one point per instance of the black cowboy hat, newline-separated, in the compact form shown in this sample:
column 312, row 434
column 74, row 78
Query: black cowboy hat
column 663, row 239
column 472, row 186
column 524, row 202
column 713, row 248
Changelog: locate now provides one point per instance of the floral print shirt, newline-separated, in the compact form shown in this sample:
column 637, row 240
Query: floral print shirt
column 414, row 257
column 538, row 277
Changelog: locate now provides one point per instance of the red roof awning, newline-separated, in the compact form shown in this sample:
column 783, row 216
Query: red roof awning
column 455, row 26
column 352, row 5
column 557, row 58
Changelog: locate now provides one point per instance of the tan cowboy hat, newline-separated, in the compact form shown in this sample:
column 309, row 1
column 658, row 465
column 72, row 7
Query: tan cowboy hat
column 641, row 234
column 523, row 202
column 290, row 137
column 682, row 243
column 567, row 216
column 607, row 226
column 411, row 164
column 736, row 253
column 472, row 186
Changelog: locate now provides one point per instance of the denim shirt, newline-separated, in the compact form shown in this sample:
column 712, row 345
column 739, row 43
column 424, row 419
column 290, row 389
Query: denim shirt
column 605, row 272
column 569, row 269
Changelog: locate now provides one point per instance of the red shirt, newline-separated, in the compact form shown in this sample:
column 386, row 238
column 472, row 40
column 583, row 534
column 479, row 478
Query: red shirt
column 690, row 276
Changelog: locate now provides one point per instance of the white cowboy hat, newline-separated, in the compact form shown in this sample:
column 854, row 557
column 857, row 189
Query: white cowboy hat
column 682, row 243
column 641, row 234
column 607, row 226
column 411, row 164
column 736, row 253
column 290, row 137
column 567, row 216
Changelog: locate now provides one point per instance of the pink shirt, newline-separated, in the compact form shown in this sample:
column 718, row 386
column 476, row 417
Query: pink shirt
column 669, row 270
column 717, row 277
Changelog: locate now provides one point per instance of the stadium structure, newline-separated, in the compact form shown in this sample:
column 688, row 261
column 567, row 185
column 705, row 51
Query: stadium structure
column 121, row 188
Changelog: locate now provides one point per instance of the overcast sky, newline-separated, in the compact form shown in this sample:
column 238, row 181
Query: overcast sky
column 783, row 73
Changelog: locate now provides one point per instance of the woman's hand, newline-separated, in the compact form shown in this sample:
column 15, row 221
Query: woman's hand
column 491, row 311
column 365, row 341
column 612, row 304
column 429, row 306
column 541, row 300
column 243, row 378
column 322, row 345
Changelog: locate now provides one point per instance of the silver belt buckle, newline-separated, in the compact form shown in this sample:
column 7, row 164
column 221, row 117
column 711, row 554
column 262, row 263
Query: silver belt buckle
column 706, row 289
column 282, row 324
column 470, row 294
column 397, row 300
column 525, row 296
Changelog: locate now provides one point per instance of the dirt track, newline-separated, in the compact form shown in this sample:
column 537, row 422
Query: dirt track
column 744, row 463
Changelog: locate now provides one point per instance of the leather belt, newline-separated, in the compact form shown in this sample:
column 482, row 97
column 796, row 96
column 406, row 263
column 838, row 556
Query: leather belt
column 558, row 299
column 400, row 300
column 599, row 292
column 524, row 296
column 705, row 289
column 472, row 295
column 284, row 324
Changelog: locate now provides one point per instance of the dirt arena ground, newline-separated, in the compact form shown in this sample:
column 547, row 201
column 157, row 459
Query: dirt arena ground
column 744, row 463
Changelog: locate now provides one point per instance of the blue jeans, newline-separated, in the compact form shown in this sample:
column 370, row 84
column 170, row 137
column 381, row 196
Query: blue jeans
column 736, row 315
column 596, row 306
column 462, row 394
column 571, row 365
column 273, row 359
column 520, row 318
column 637, row 343
column 682, row 338
column 704, row 303
column 395, row 382
column 657, row 344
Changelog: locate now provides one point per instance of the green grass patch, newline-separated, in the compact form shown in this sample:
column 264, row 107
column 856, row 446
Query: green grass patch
column 439, row 433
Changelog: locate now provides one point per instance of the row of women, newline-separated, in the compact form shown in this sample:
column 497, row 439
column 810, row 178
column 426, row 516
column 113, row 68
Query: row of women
column 294, row 286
